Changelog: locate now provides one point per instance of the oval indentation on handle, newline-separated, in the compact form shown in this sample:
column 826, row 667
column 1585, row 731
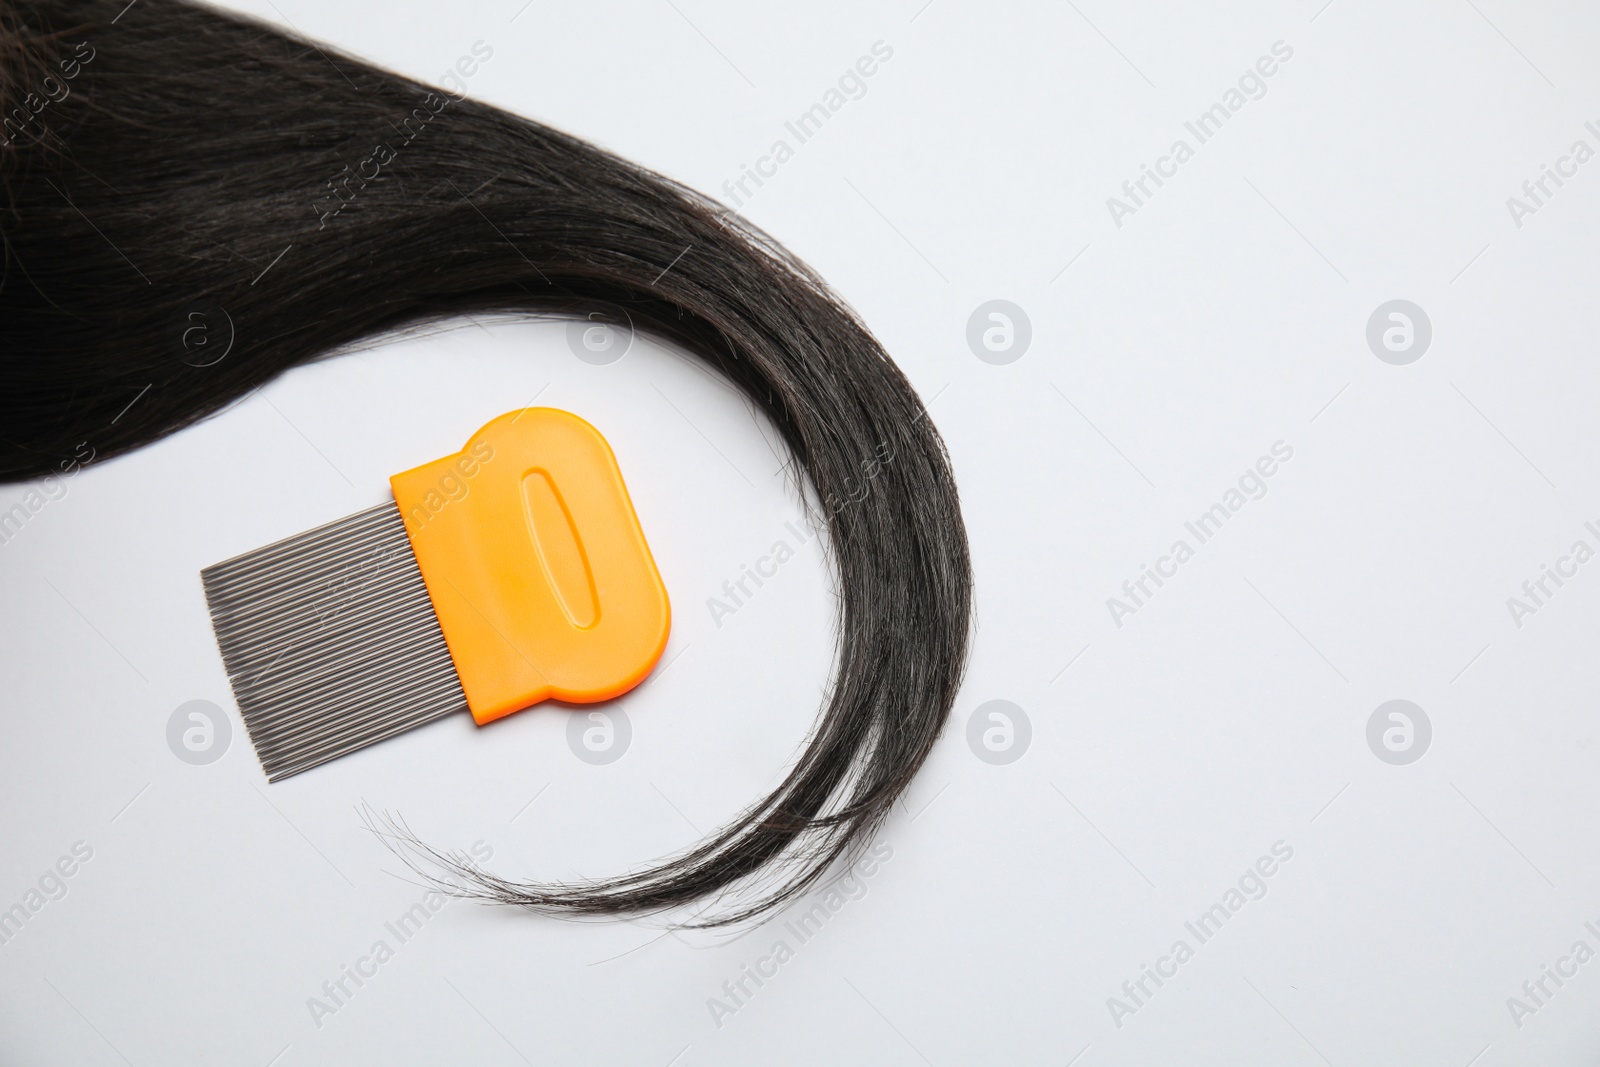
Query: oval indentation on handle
column 560, row 549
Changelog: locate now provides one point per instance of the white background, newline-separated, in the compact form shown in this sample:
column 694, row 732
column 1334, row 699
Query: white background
column 1168, row 354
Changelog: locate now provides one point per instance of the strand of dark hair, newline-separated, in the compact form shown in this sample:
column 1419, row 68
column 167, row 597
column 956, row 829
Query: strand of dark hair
column 168, row 156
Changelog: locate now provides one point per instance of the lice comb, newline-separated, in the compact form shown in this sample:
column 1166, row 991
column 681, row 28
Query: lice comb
column 512, row 572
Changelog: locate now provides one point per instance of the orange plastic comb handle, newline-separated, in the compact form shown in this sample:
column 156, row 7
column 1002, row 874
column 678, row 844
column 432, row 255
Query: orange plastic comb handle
column 538, row 571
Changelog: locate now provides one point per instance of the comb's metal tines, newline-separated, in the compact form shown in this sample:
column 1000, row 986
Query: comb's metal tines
column 269, row 662
column 330, row 641
column 234, row 575
column 283, row 681
column 246, row 580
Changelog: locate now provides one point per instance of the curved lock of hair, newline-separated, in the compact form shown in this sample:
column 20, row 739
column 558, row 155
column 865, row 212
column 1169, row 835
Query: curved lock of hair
column 166, row 164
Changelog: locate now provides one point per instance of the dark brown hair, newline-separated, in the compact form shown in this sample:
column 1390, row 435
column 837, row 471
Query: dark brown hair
column 164, row 160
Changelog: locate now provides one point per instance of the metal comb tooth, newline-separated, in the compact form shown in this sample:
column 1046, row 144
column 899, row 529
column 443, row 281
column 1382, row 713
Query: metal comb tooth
column 330, row 641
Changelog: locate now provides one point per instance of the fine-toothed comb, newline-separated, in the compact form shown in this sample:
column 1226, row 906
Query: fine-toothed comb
column 512, row 572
